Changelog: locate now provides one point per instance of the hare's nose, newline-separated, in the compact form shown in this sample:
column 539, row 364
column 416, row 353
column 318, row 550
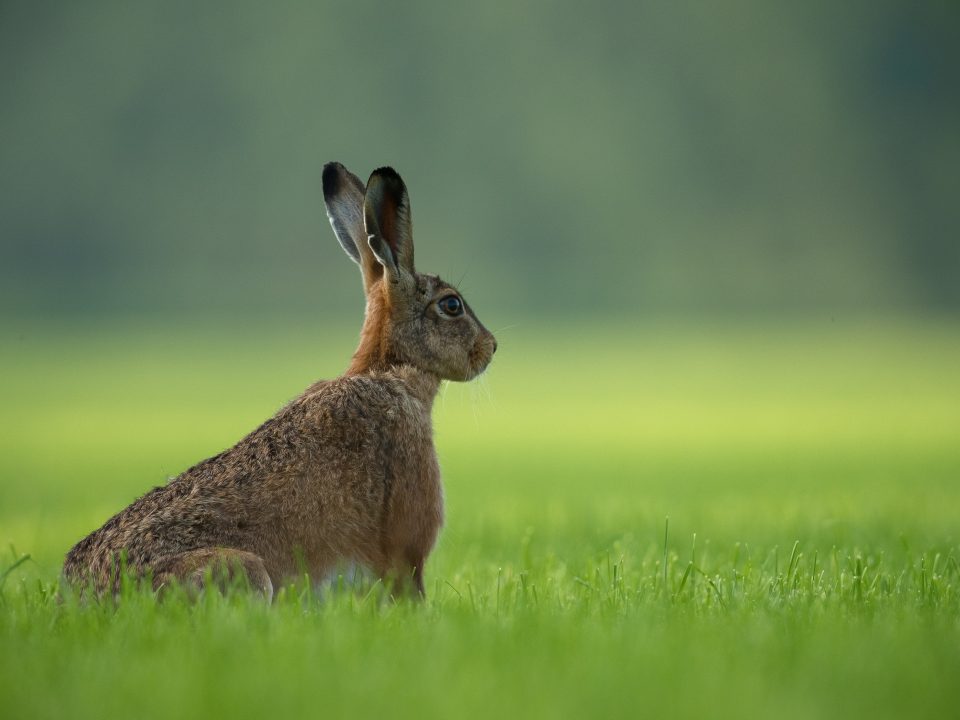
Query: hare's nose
column 494, row 345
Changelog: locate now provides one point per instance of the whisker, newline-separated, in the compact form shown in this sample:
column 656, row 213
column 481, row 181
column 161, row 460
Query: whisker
column 484, row 386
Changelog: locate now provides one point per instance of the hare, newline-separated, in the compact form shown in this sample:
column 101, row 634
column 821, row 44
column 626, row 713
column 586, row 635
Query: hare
column 345, row 473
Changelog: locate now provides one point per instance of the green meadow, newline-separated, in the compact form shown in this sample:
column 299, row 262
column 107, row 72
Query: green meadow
column 643, row 519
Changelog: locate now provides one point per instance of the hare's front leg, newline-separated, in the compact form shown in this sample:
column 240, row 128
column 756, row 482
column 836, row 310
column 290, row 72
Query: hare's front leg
column 409, row 540
column 224, row 565
column 403, row 576
column 410, row 527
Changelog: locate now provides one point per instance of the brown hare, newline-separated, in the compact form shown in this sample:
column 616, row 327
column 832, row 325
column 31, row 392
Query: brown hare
column 347, row 472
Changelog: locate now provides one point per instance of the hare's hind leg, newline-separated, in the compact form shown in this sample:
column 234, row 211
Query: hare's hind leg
column 191, row 569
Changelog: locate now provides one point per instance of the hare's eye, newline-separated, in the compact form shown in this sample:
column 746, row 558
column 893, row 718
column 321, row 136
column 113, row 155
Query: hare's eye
column 451, row 305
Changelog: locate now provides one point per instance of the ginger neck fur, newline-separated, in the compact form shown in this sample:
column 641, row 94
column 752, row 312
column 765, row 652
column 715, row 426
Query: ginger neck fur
column 375, row 353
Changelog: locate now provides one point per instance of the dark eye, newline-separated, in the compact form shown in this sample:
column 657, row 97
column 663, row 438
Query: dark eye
column 451, row 305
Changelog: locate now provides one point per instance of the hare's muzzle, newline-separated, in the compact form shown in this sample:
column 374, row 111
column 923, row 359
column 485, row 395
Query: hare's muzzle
column 482, row 353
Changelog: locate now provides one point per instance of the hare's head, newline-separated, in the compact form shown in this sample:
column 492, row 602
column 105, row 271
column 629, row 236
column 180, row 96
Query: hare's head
column 411, row 319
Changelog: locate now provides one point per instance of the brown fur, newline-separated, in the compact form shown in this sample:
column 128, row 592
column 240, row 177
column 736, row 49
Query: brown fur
column 347, row 472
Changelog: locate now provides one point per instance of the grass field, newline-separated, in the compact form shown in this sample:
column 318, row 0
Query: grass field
column 809, row 568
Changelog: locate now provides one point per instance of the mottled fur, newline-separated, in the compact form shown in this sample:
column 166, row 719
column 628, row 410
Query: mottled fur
column 346, row 472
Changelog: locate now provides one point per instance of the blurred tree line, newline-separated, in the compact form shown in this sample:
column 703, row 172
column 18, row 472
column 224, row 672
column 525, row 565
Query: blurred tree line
column 643, row 158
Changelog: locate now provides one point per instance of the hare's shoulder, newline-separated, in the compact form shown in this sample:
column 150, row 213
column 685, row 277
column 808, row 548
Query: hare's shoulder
column 364, row 398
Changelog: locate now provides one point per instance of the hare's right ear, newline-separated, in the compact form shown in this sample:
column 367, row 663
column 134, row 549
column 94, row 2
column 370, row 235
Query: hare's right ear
column 343, row 195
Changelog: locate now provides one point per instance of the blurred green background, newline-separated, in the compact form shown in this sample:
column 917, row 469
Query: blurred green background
column 745, row 158
column 718, row 244
column 707, row 237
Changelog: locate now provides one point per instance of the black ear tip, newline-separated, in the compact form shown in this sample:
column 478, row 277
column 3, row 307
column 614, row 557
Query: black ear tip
column 332, row 174
column 391, row 179
column 387, row 172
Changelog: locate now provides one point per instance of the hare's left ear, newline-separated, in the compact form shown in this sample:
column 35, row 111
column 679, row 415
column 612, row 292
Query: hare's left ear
column 386, row 217
column 343, row 196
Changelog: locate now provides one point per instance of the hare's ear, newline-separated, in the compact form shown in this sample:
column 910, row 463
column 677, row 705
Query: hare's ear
column 386, row 217
column 343, row 196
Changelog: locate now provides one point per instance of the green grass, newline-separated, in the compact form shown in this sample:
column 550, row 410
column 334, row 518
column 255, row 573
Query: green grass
column 811, row 476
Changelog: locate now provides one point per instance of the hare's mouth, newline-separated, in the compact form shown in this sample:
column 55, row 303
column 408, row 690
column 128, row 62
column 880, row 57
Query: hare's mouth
column 480, row 357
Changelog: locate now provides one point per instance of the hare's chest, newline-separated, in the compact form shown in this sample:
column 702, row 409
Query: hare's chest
column 412, row 463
